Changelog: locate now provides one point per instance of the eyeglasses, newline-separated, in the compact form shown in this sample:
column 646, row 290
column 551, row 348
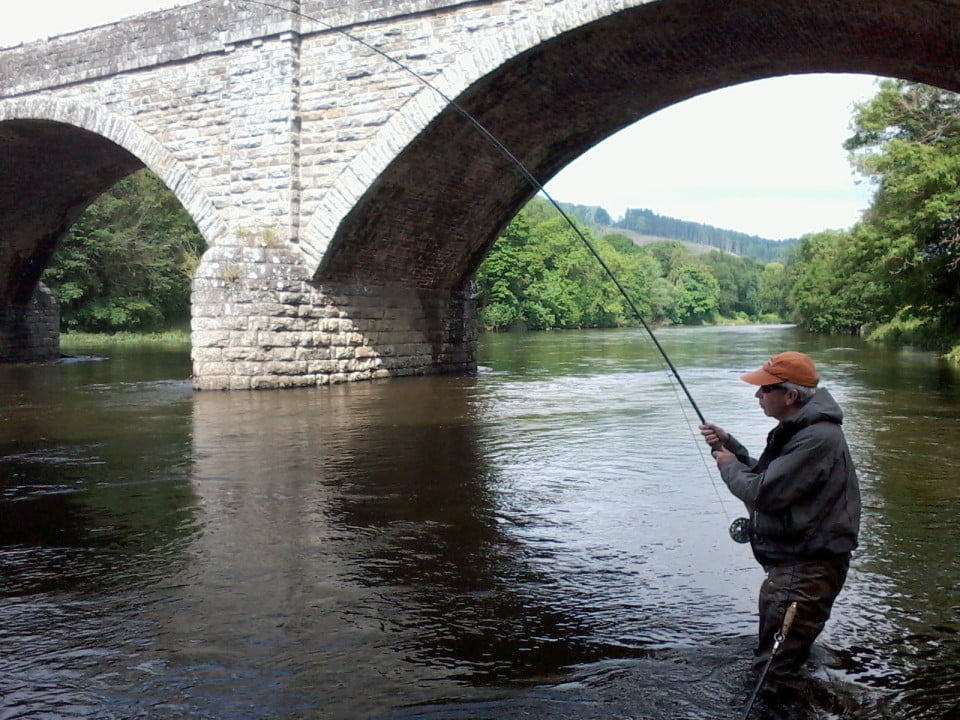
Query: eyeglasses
column 770, row 388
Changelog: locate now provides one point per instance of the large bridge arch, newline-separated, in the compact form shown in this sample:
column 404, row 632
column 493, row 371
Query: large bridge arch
column 430, row 215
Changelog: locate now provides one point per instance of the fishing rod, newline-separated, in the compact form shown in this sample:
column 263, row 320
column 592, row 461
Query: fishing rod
column 739, row 529
column 527, row 175
column 789, row 616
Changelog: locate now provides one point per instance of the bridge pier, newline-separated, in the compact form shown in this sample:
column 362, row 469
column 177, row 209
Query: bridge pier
column 259, row 323
column 31, row 332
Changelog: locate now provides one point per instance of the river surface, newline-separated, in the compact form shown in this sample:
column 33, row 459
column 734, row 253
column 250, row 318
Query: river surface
column 546, row 539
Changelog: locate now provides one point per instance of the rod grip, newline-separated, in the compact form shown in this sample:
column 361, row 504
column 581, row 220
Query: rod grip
column 788, row 617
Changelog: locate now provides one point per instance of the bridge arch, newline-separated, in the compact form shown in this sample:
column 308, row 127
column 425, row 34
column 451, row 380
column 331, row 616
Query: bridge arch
column 346, row 209
column 408, row 122
column 69, row 153
column 429, row 214
column 65, row 154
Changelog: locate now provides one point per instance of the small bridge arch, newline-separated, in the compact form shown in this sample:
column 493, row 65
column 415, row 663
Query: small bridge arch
column 65, row 155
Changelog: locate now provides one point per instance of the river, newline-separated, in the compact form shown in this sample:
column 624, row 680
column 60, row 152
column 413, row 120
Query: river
column 545, row 539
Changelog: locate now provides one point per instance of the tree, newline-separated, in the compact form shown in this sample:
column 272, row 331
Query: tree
column 833, row 285
column 907, row 141
column 127, row 262
column 739, row 281
column 503, row 277
column 698, row 293
column 774, row 289
column 539, row 275
column 621, row 243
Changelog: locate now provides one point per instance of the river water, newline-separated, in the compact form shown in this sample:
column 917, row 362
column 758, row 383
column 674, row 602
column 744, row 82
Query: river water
column 545, row 539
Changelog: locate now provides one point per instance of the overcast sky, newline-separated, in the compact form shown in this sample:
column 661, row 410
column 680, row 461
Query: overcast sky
column 763, row 158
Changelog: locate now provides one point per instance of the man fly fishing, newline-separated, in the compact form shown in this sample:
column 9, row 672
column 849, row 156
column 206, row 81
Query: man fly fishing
column 803, row 500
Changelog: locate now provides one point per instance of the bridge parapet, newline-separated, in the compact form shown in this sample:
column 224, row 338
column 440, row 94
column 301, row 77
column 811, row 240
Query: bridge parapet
column 184, row 33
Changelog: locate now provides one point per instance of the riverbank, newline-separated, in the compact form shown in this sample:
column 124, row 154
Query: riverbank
column 78, row 342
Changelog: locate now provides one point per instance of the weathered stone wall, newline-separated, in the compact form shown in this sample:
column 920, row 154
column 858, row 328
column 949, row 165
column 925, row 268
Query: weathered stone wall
column 31, row 332
column 259, row 324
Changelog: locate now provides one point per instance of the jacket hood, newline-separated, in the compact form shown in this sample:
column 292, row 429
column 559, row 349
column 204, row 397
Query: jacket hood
column 821, row 407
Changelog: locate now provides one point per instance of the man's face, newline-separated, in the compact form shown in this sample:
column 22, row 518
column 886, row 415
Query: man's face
column 775, row 401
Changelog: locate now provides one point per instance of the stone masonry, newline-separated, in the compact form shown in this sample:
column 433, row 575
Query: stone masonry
column 31, row 332
column 259, row 323
column 346, row 203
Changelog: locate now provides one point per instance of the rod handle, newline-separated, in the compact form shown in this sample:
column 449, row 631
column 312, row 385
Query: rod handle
column 788, row 618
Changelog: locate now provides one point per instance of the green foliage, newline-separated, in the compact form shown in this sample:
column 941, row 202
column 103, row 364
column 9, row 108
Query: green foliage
column 127, row 262
column 698, row 293
column 905, row 111
column 540, row 275
column 907, row 139
column 953, row 355
column 621, row 243
column 908, row 329
column 896, row 272
column 831, row 289
column 739, row 283
column 774, row 292
column 80, row 342
column 646, row 222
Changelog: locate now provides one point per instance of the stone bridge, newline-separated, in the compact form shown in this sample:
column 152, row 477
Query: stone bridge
column 346, row 204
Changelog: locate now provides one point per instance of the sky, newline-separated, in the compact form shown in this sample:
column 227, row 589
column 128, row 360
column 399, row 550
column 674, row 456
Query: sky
column 763, row 158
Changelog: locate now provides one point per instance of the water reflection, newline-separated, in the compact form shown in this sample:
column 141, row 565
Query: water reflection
column 96, row 507
column 399, row 556
column 543, row 540
column 908, row 568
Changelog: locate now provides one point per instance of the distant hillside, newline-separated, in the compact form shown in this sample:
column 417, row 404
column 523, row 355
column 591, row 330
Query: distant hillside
column 644, row 226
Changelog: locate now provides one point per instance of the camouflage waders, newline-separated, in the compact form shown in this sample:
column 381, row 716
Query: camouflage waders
column 814, row 585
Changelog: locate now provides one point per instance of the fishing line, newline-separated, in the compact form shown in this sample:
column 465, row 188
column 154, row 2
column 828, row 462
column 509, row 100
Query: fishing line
column 709, row 474
column 527, row 175
column 538, row 186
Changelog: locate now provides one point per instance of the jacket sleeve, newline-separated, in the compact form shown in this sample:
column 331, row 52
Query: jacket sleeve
column 743, row 455
column 802, row 464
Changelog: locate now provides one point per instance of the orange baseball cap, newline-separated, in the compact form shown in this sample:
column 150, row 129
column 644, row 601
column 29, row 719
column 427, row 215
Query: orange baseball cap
column 791, row 366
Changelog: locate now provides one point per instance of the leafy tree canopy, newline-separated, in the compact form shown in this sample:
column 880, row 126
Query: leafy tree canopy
column 540, row 275
column 127, row 262
column 901, row 262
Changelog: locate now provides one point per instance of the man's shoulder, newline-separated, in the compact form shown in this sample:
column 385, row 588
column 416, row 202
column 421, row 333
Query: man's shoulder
column 817, row 430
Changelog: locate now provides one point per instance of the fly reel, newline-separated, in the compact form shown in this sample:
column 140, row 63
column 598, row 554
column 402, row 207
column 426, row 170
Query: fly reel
column 740, row 530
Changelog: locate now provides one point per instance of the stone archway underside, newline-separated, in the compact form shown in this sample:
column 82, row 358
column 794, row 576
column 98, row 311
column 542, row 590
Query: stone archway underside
column 60, row 170
column 430, row 218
